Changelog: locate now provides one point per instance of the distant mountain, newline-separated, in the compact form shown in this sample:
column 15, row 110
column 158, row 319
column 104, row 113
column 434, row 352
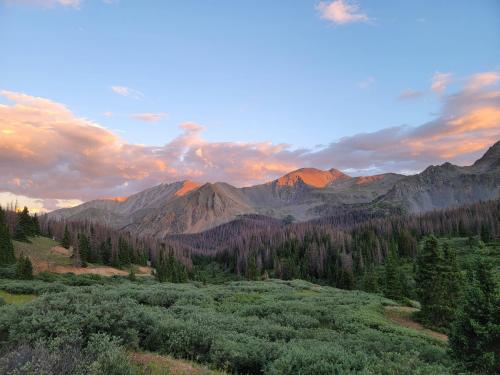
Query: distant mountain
column 307, row 193
column 448, row 185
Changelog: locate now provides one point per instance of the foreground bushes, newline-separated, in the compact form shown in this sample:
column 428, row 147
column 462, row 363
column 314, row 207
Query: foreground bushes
column 272, row 327
column 67, row 355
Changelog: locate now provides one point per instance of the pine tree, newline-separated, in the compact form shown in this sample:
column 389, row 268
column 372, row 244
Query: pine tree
column 6, row 248
column 35, row 223
column 370, row 281
column 84, row 247
column 66, row 241
column 428, row 281
column 393, row 287
column 475, row 333
column 24, row 227
column 24, row 268
column 105, row 250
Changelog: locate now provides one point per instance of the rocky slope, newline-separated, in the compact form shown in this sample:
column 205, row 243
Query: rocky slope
column 448, row 185
column 307, row 193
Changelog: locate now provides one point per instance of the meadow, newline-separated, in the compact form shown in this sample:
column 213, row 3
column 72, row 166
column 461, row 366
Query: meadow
column 246, row 327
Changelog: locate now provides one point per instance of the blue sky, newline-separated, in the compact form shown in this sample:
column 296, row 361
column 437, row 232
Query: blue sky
column 251, row 71
column 309, row 74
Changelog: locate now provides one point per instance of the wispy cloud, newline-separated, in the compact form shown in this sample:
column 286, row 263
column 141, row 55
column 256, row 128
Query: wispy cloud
column 127, row 91
column 76, row 4
column 341, row 12
column 150, row 116
column 366, row 83
column 48, row 153
column 410, row 94
column 440, row 81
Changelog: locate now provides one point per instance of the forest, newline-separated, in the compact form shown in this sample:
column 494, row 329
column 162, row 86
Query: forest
column 260, row 295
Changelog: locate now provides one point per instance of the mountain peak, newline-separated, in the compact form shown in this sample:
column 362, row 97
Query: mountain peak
column 311, row 176
column 186, row 187
column 491, row 157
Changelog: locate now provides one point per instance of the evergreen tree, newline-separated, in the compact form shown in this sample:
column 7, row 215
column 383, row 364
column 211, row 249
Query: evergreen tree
column 439, row 283
column 24, row 268
column 35, row 223
column 24, row 226
column 252, row 272
column 428, row 281
column 170, row 269
column 370, row 281
column 66, row 241
column 6, row 248
column 84, row 247
column 393, row 287
column 475, row 333
column 105, row 250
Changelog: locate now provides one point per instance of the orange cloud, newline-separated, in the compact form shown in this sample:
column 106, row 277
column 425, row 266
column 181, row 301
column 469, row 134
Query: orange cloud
column 49, row 153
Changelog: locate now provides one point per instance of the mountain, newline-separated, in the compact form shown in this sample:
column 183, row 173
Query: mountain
column 448, row 185
column 307, row 193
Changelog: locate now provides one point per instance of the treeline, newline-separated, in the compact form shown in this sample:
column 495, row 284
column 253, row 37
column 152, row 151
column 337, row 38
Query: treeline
column 340, row 250
column 335, row 253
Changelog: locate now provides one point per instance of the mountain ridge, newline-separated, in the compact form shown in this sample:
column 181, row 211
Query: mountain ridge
column 306, row 193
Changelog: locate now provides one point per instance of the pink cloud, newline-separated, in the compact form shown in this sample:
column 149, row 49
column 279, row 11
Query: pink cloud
column 149, row 116
column 48, row 153
column 440, row 81
column 341, row 12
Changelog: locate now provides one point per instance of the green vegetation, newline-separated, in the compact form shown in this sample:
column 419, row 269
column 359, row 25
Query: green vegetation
column 272, row 327
column 16, row 298
column 475, row 334
column 6, row 248
column 39, row 249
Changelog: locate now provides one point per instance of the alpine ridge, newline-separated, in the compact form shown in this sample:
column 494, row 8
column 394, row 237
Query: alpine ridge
column 306, row 193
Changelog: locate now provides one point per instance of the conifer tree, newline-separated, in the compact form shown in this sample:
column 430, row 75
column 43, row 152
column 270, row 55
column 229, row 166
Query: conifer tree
column 24, row 268
column 393, row 288
column 475, row 333
column 24, row 227
column 84, row 247
column 428, row 280
column 35, row 223
column 105, row 250
column 6, row 248
column 66, row 241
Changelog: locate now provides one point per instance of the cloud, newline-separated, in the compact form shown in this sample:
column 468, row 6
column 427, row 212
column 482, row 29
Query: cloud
column 440, row 81
column 149, row 116
column 480, row 80
column 410, row 94
column 48, row 3
column 49, row 154
column 52, row 3
column 341, row 12
column 366, row 83
column 126, row 91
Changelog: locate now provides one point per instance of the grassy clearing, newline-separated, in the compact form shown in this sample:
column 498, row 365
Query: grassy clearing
column 48, row 255
column 402, row 315
column 16, row 298
column 40, row 250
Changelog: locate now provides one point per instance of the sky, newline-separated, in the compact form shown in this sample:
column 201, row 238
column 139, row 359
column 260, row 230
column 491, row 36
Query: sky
column 104, row 98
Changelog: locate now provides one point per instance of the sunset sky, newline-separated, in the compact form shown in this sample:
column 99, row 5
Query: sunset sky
column 103, row 98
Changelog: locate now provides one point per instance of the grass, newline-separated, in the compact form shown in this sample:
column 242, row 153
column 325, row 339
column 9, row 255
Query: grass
column 39, row 250
column 16, row 298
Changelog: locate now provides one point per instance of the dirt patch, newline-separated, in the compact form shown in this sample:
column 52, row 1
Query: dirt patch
column 61, row 251
column 40, row 266
column 144, row 270
column 150, row 362
column 402, row 316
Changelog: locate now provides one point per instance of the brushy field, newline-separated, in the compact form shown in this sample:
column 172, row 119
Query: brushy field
column 266, row 327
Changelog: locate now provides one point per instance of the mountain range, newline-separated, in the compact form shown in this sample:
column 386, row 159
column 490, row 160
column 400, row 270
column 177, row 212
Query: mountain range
column 307, row 193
